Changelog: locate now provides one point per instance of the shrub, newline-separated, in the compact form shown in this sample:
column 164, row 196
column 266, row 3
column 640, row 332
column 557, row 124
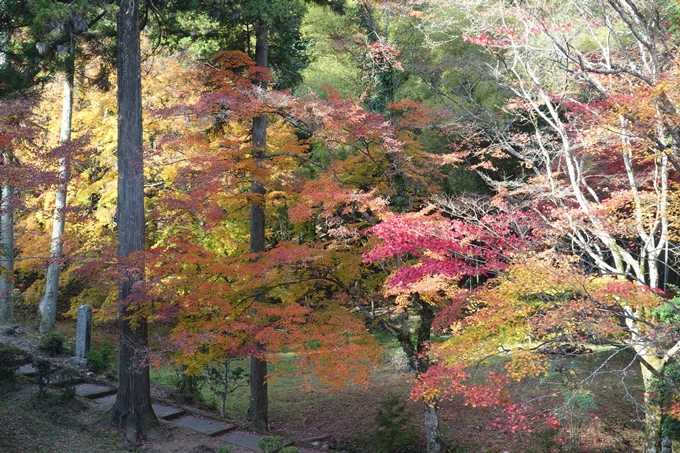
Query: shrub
column 271, row 444
column 65, row 378
column 394, row 432
column 44, row 371
column 188, row 386
column 11, row 358
column 224, row 449
column 53, row 344
column 100, row 359
column 290, row 449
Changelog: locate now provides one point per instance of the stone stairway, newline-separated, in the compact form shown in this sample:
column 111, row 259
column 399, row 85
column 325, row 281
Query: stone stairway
column 227, row 432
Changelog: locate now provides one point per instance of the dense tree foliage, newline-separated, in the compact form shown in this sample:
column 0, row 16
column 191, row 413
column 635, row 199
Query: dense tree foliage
column 475, row 179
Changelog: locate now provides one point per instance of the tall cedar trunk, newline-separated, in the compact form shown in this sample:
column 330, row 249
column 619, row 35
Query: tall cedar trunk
column 7, row 250
column 132, row 410
column 258, row 412
column 48, row 304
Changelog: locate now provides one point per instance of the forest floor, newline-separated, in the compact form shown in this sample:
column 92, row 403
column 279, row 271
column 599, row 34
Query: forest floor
column 602, row 417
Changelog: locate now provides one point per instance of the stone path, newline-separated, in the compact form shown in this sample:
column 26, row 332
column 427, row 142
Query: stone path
column 91, row 391
column 242, row 439
column 27, row 370
column 203, row 425
column 226, row 432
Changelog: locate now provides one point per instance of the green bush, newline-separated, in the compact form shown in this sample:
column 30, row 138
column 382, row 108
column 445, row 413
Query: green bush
column 53, row 344
column 65, row 378
column 100, row 359
column 271, row 444
column 11, row 358
column 44, row 371
column 290, row 449
column 188, row 386
column 224, row 449
column 394, row 432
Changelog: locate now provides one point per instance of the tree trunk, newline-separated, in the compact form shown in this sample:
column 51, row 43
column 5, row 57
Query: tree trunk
column 653, row 404
column 7, row 251
column 6, row 213
column 132, row 410
column 258, row 412
column 225, row 388
column 48, row 304
column 432, row 434
column 417, row 358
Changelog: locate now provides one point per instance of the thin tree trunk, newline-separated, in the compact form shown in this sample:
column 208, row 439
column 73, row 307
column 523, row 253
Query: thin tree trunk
column 431, row 415
column 653, row 404
column 48, row 304
column 432, row 434
column 258, row 412
column 6, row 214
column 132, row 410
column 7, row 250
column 417, row 358
column 225, row 388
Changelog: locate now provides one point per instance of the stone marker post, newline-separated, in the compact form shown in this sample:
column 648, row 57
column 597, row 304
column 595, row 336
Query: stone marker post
column 666, row 445
column 83, row 331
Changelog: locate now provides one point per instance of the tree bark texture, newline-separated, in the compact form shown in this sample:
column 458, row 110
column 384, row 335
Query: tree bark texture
column 7, row 250
column 132, row 410
column 432, row 434
column 653, row 404
column 6, row 214
column 48, row 304
column 258, row 412
column 418, row 361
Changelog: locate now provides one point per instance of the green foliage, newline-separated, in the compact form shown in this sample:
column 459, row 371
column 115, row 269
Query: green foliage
column 11, row 358
column 64, row 378
column 54, row 344
column 43, row 373
column 271, row 444
column 670, row 426
column 100, row 359
column 329, row 64
column 669, row 312
column 224, row 449
column 394, row 432
column 188, row 386
column 290, row 449
column 236, row 378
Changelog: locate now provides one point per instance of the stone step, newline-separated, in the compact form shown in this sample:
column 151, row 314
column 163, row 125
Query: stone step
column 167, row 412
column 202, row 425
column 92, row 391
column 161, row 411
column 242, row 439
column 109, row 400
column 27, row 370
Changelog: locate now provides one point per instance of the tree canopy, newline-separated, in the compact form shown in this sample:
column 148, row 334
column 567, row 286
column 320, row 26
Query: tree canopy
column 479, row 180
